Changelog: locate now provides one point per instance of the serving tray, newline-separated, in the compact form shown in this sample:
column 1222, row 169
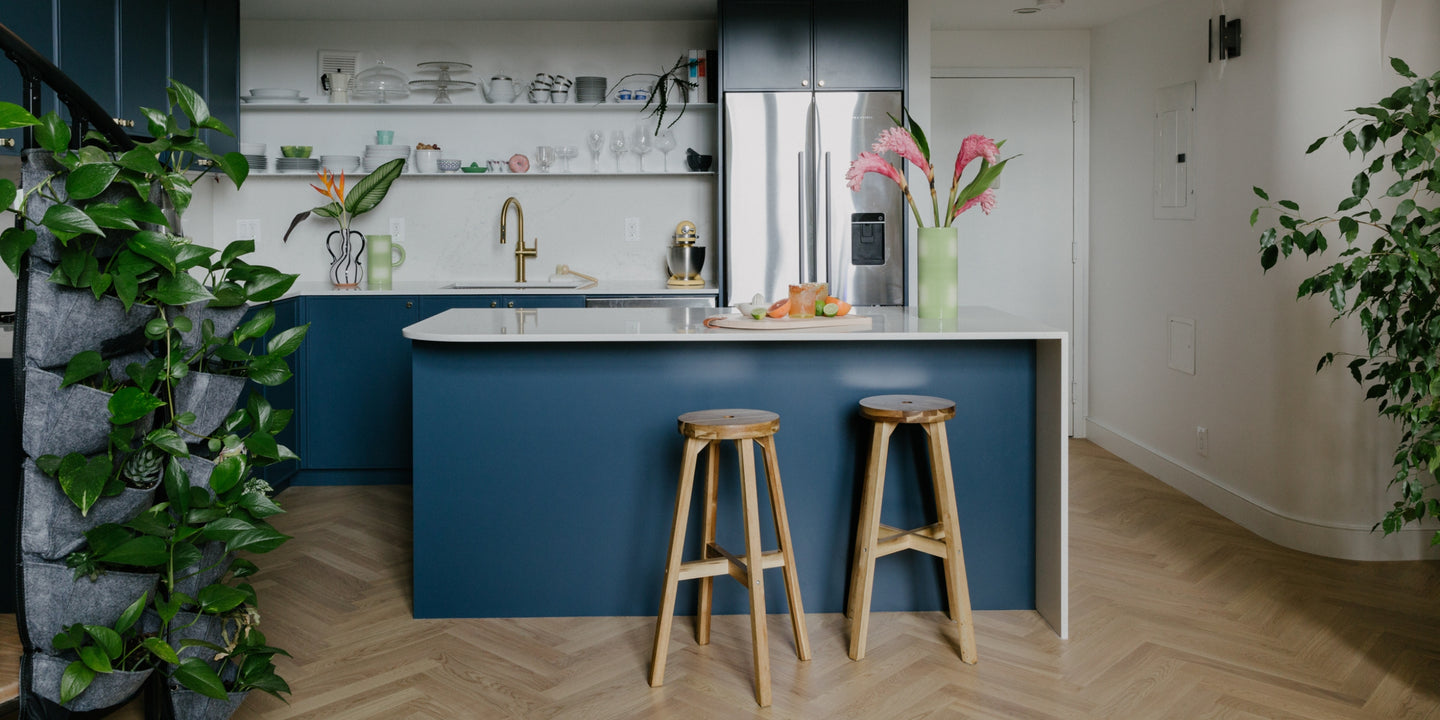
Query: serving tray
column 844, row 323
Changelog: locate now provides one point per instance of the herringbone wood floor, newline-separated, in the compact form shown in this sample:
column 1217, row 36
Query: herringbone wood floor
column 1178, row 613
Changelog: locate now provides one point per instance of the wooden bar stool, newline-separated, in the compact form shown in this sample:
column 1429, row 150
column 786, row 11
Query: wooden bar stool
column 941, row 539
column 703, row 429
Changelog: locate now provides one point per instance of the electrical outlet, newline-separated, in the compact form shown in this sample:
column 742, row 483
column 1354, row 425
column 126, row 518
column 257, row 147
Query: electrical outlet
column 1202, row 441
column 247, row 230
column 632, row 229
column 397, row 229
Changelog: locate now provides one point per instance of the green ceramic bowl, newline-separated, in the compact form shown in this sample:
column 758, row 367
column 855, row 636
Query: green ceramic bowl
column 295, row 151
column 474, row 168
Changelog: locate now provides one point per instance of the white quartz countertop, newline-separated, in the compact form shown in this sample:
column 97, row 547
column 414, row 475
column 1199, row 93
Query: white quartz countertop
column 687, row 325
column 503, row 287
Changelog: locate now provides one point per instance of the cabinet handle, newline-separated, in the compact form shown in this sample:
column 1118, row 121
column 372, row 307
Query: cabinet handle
column 7, row 142
column 494, row 303
column 510, row 304
column 409, row 304
column 821, row 83
column 204, row 162
column 122, row 122
column 804, row 83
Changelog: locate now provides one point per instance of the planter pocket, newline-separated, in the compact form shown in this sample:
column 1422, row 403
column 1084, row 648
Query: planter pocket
column 210, row 397
column 106, row 690
column 226, row 319
column 51, row 527
column 39, row 165
column 62, row 321
column 190, row 705
column 55, row 599
column 214, row 561
column 59, row 421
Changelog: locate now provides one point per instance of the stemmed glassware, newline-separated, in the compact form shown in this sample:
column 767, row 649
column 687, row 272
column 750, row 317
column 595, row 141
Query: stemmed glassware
column 545, row 157
column 665, row 142
column 644, row 143
column 596, row 141
column 565, row 152
column 617, row 146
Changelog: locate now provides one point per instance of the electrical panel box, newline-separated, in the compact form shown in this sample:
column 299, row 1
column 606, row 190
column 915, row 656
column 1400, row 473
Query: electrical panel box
column 1174, row 195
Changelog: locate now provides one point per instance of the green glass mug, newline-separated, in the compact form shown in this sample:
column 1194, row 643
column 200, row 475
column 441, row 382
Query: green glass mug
column 383, row 255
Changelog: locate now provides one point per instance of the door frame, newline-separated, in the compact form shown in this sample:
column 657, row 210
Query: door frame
column 1080, row 313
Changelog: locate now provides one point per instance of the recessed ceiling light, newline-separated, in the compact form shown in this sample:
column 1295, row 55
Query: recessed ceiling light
column 1026, row 10
column 1050, row 4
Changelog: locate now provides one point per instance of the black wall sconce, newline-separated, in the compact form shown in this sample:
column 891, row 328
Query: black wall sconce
column 1226, row 43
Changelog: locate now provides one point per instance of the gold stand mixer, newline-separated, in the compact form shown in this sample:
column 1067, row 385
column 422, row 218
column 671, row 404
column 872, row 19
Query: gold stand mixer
column 685, row 260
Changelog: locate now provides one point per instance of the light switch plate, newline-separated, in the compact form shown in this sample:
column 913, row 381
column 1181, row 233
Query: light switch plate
column 632, row 229
column 1182, row 344
column 397, row 229
column 248, row 230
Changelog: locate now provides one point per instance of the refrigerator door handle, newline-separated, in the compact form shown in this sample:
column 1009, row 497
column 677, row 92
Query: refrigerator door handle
column 804, row 221
column 828, row 222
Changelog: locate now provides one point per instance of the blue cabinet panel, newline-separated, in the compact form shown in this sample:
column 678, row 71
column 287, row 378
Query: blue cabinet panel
column 356, row 402
column 33, row 23
column 187, row 43
column 142, row 59
column 222, row 70
column 285, row 396
column 89, row 48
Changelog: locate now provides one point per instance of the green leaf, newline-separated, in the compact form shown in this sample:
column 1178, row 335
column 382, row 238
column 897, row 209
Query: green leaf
column 227, row 474
column 68, row 220
column 180, row 290
column 269, row 370
column 216, row 599
column 267, row 286
column 234, row 250
column 132, row 614
column 129, row 404
column 226, row 528
column 107, row 641
column 1290, row 205
column 190, row 102
column 161, row 650
column 13, row 244
column 169, row 441
column 263, row 445
column 52, row 133
column 1360, row 187
column 156, row 246
column 8, row 193
column 259, row 540
column 1401, row 67
column 82, row 480
column 372, row 188
column 1261, row 193
column 142, row 210
column 177, row 485
column 235, row 166
column 179, row 190
column 108, row 215
column 13, row 116
column 83, row 365
column 1400, row 188
column 286, row 342
column 143, row 551
column 76, row 679
column 1313, row 147
column 87, row 181
column 1254, row 216
column 240, row 567
column 1347, row 204
column 259, row 504
column 1268, row 256
column 257, row 325
column 94, row 658
column 195, row 674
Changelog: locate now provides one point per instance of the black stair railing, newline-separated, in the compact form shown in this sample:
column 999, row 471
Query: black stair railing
column 36, row 71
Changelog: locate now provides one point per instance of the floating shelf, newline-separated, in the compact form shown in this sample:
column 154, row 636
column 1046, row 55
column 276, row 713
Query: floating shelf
column 672, row 108
column 495, row 175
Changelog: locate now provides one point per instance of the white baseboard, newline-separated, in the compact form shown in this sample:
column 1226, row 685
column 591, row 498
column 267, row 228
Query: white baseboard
column 1350, row 542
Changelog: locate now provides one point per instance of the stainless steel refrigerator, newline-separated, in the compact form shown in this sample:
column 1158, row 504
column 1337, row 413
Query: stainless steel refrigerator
column 789, row 217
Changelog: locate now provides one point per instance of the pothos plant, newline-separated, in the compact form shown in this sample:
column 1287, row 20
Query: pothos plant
column 122, row 198
column 1387, row 275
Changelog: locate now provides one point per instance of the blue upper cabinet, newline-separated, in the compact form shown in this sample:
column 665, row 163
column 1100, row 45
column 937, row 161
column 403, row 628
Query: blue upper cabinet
column 89, row 46
column 32, row 21
column 819, row 45
column 144, row 61
column 222, row 70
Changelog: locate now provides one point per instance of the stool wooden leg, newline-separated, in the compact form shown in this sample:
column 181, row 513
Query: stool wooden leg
column 707, row 584
column 755, row 570
column 672, row 562
column 787, row 550
column 862, row 576
column 957, row 586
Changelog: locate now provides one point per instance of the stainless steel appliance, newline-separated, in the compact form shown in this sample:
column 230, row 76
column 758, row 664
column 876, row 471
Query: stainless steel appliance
column 789, row 217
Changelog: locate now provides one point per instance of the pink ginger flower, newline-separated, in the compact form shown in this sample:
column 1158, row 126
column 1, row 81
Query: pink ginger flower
column 986, row 200
column 973, row 147
column 902, row 143
column 871, row 163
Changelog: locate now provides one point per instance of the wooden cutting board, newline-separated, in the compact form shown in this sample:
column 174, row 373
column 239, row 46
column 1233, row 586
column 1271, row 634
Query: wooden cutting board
column 844, row 323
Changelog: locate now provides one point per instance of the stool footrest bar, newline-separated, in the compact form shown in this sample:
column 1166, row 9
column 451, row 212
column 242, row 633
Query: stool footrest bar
column 727, row 564
column 929, row 540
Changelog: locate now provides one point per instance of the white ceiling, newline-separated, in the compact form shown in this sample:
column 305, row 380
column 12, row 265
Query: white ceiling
column 947, row 14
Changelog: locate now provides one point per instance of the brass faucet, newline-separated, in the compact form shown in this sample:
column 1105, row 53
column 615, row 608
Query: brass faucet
column 521, row 252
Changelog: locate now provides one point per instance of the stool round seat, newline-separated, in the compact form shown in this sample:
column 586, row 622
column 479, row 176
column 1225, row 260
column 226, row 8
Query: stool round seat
column 907, row 408
column 735, row 424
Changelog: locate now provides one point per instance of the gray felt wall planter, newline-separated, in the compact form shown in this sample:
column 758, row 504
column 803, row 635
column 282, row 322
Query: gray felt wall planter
column 107, row 690
column 191, row 705
column 59, row 420
column 54, row 598
column 51, row 527
column 226, row 319
column 63, row 321
column 210, row 397
column 213, row 563
column 39, row 165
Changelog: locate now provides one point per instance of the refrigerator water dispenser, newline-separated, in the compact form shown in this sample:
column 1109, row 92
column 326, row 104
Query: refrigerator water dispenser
column 867, row 238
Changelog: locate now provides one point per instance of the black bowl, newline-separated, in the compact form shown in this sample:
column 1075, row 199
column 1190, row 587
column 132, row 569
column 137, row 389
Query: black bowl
column 699, row 163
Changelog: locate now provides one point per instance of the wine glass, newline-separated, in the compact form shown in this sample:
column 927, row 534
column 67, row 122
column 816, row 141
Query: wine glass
column 545, row 157
column 644, row 143
column 596, row 141
column 665, row 142
column 617, row 146
column 565, row 152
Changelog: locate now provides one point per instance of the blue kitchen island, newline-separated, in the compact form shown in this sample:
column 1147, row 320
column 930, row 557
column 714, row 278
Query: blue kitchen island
column 546, row 455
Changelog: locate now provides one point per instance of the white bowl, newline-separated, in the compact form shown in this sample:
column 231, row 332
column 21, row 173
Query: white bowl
column 247, row 148
column 274, row 93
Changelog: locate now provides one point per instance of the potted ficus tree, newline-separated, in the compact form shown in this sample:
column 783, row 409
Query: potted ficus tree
column 139, row 336
column 1385, row 275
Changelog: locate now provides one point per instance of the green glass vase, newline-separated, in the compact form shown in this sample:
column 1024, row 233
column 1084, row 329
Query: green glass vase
column 939, row 272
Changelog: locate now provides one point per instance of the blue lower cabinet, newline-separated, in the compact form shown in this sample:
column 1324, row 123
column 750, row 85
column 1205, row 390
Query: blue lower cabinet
column 354, row 407
column 284, row 396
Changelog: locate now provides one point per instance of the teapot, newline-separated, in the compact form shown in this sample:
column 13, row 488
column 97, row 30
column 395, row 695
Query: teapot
column 500, row 89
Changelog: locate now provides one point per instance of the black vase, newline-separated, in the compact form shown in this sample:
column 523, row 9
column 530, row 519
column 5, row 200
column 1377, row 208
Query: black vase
column 347, row 249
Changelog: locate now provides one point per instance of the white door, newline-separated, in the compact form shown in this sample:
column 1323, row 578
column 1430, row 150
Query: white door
column 1020, row 258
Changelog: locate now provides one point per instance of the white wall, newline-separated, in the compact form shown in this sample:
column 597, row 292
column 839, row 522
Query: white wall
column 1297, row 457
column 452, row 223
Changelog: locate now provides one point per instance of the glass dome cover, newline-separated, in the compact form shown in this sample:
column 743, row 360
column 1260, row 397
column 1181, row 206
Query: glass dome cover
column 382, row 82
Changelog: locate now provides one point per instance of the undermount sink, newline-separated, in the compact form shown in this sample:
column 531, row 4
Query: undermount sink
column 513, row 285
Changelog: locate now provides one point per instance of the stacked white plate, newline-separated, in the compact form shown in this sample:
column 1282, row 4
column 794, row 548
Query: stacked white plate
column 377, row 155
column 590, row 89
column 340, row 163
column 274, row 96
column 258, row 163
column 296, row 165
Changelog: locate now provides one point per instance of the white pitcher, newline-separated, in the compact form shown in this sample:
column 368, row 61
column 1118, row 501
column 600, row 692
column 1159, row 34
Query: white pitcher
column 500, row 89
